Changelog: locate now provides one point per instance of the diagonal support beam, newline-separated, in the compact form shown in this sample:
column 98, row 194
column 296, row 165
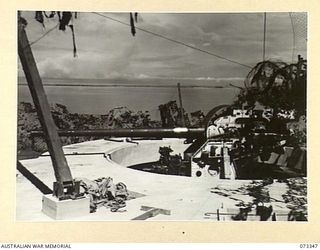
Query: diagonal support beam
column 61, row 169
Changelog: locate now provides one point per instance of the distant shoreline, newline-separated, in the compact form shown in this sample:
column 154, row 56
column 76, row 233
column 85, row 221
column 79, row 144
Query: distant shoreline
column 200, row 82
column 93, row 98
column 127, row 86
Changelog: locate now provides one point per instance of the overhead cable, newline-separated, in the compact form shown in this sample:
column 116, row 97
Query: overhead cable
column 173, row 40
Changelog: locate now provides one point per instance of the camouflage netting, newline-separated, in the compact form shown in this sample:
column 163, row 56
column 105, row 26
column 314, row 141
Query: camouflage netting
column 279, row 86
column 300, row 32
column 276, row 85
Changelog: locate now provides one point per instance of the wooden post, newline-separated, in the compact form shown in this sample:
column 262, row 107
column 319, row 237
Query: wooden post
column 264, row 35
column 61, row 169
column 181, row 107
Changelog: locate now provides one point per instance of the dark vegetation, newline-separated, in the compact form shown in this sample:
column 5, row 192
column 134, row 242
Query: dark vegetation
column 120, row 117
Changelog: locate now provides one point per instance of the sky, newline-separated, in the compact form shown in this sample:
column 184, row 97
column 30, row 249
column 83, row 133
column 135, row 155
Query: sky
column 107, row 50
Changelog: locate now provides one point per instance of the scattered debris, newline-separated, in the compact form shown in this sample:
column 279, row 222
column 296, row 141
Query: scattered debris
column 294, row 199
column 242, row 215
column 103, row 192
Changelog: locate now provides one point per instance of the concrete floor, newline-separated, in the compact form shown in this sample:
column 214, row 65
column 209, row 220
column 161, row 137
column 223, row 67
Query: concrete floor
column 187, row 198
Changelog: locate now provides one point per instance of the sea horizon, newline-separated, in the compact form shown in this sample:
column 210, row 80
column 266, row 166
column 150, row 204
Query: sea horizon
column 98, row 96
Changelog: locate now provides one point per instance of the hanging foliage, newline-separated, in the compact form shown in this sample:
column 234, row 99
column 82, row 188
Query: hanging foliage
column 133, row 21
column 65, row 20
column 39, row 17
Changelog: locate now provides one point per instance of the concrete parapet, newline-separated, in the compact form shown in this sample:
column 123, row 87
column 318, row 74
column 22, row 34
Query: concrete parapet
column 145, row 151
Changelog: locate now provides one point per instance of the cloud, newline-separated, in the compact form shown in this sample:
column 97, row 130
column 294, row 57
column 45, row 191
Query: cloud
column 106, row 49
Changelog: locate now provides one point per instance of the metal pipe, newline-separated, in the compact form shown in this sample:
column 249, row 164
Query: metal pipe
column 134, row 132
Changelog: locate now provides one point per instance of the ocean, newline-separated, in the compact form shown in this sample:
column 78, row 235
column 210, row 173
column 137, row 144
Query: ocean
column 144, row 95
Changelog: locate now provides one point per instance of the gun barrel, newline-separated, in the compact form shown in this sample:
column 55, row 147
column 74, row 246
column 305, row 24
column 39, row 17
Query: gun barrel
column 134, row 132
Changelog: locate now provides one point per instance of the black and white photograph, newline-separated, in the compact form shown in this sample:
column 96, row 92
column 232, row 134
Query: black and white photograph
column 161, row 116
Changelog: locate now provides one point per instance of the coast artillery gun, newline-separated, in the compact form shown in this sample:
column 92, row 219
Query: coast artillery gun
column 249, row 139
column 231, row 143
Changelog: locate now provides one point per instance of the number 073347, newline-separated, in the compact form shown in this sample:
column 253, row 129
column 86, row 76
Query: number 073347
column 309, row 245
